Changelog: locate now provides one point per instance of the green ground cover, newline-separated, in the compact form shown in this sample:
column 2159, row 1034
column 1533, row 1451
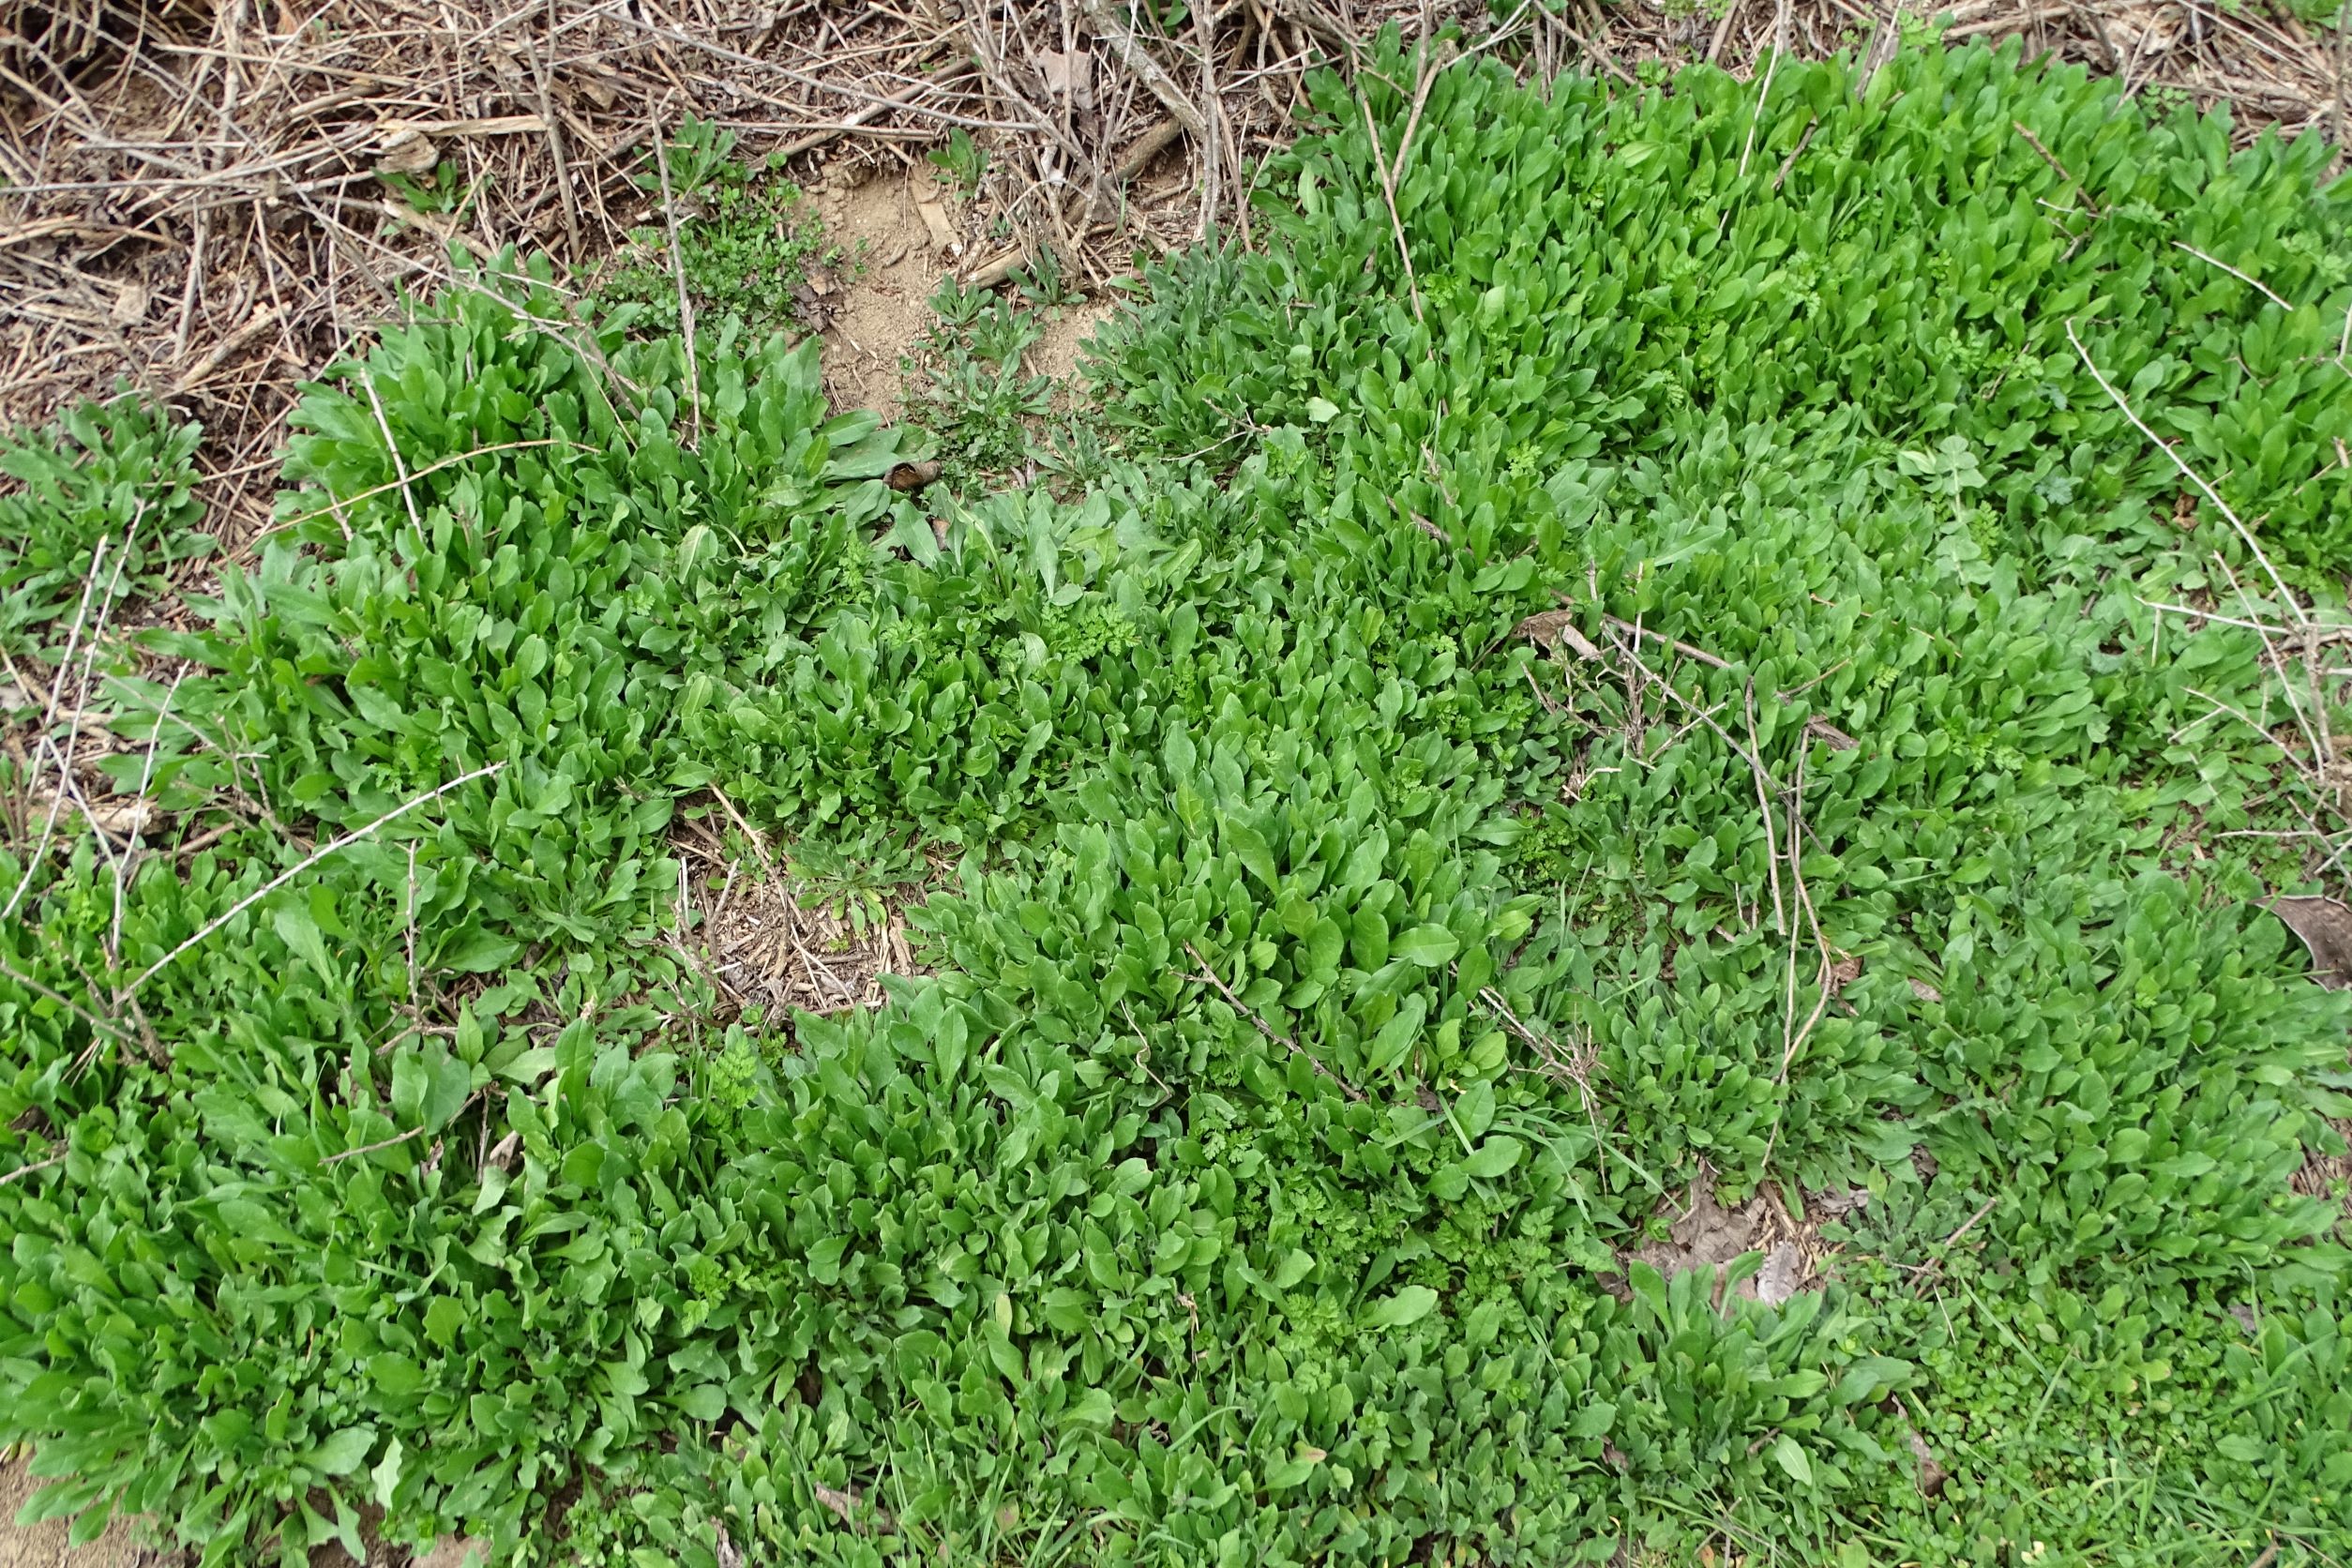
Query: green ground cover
column 1226, row 1195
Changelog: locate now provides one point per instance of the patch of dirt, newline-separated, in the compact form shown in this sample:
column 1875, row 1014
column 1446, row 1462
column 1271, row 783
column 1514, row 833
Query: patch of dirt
column 897, row 257
column 45, row 1545
column 2329, row 1175
column 766, row 940
column 1062, row 335
column 1705, row 1235
column 769, row 943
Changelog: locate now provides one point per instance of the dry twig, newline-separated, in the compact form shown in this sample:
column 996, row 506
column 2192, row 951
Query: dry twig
column 1208, row 975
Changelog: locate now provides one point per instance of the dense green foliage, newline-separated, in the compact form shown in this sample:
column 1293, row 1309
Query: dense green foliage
column 745, row 241
column 110, row 471
column 1210, row 1203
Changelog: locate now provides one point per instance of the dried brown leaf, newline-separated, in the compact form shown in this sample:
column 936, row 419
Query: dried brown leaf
column 1835, row 1204
column 1932, row 1475
column 1069, row 76
column 1777, row 1280
column 1554, row 626
column 2325, row 927
column 1830, row 735
column 407, row 151
column 942, row 229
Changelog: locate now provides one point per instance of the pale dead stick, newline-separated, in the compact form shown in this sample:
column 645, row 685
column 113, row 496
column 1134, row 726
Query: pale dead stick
column 1937, row 1260
column 1791, row 1044
column 292, row 871
column 2317, row 740
column 1764, row 98
column 2190, row 475
column 429, row 467
column 1391, row 173
column 1772, row 850
column 399, row 464
column 1147, row 71
column 1755, row 766
column 1208, row 973
column 2252, row 282
column 541, row 76
column 805, row 80
column 98, row 1025
column 1545, row 1048
column 1687, row 650
column 2186, row 611
column 677, row 274
column 384, row 1144
column 2218, row 709
column 858, row 120
column 48, row 710
column 1213, row 145
column 759, row 844
column 129, row 863
column 24, row 1170
column 372, row 1147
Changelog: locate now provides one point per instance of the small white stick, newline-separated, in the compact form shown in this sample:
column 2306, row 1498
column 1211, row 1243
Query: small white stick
column 1780, row 47
column 2216, row 260
column 399, row 464
column 2190, row 475
column 290, row 872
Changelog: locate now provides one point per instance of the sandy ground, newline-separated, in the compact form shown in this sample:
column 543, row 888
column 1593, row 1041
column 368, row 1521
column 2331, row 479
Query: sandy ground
column 44, row 1546
column 898, row 228
column 896, row 258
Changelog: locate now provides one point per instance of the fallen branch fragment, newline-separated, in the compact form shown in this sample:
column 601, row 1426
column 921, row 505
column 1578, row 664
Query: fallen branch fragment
column 1147, row 71
column 1208, row 975
column 292, row 871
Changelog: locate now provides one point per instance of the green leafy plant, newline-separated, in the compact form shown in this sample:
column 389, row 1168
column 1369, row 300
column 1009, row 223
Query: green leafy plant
column 969, row 383
column 114, row 477
column 961, row 160
column 1475, row 755
column 444, row 192
column 746, row 242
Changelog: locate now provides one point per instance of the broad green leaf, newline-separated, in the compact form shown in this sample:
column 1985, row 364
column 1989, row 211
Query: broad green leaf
column 1426, row 945
column 1407, row 1307
column 1791, row 1455
column 341, row 1452
column 1495, row 1156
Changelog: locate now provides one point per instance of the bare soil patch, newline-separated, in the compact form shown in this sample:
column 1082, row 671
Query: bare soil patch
column 49, row 1546
column 896, row 257
column 1705, row 1233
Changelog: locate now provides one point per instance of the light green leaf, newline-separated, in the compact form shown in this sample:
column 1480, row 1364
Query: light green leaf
column 341, row 1454
column 386, row 1475
column 1495, row 1156
column 1790, row 1457
column 1425, row 946
column 1407, row 1306
column 1247, row 843
column 1091, row 1409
